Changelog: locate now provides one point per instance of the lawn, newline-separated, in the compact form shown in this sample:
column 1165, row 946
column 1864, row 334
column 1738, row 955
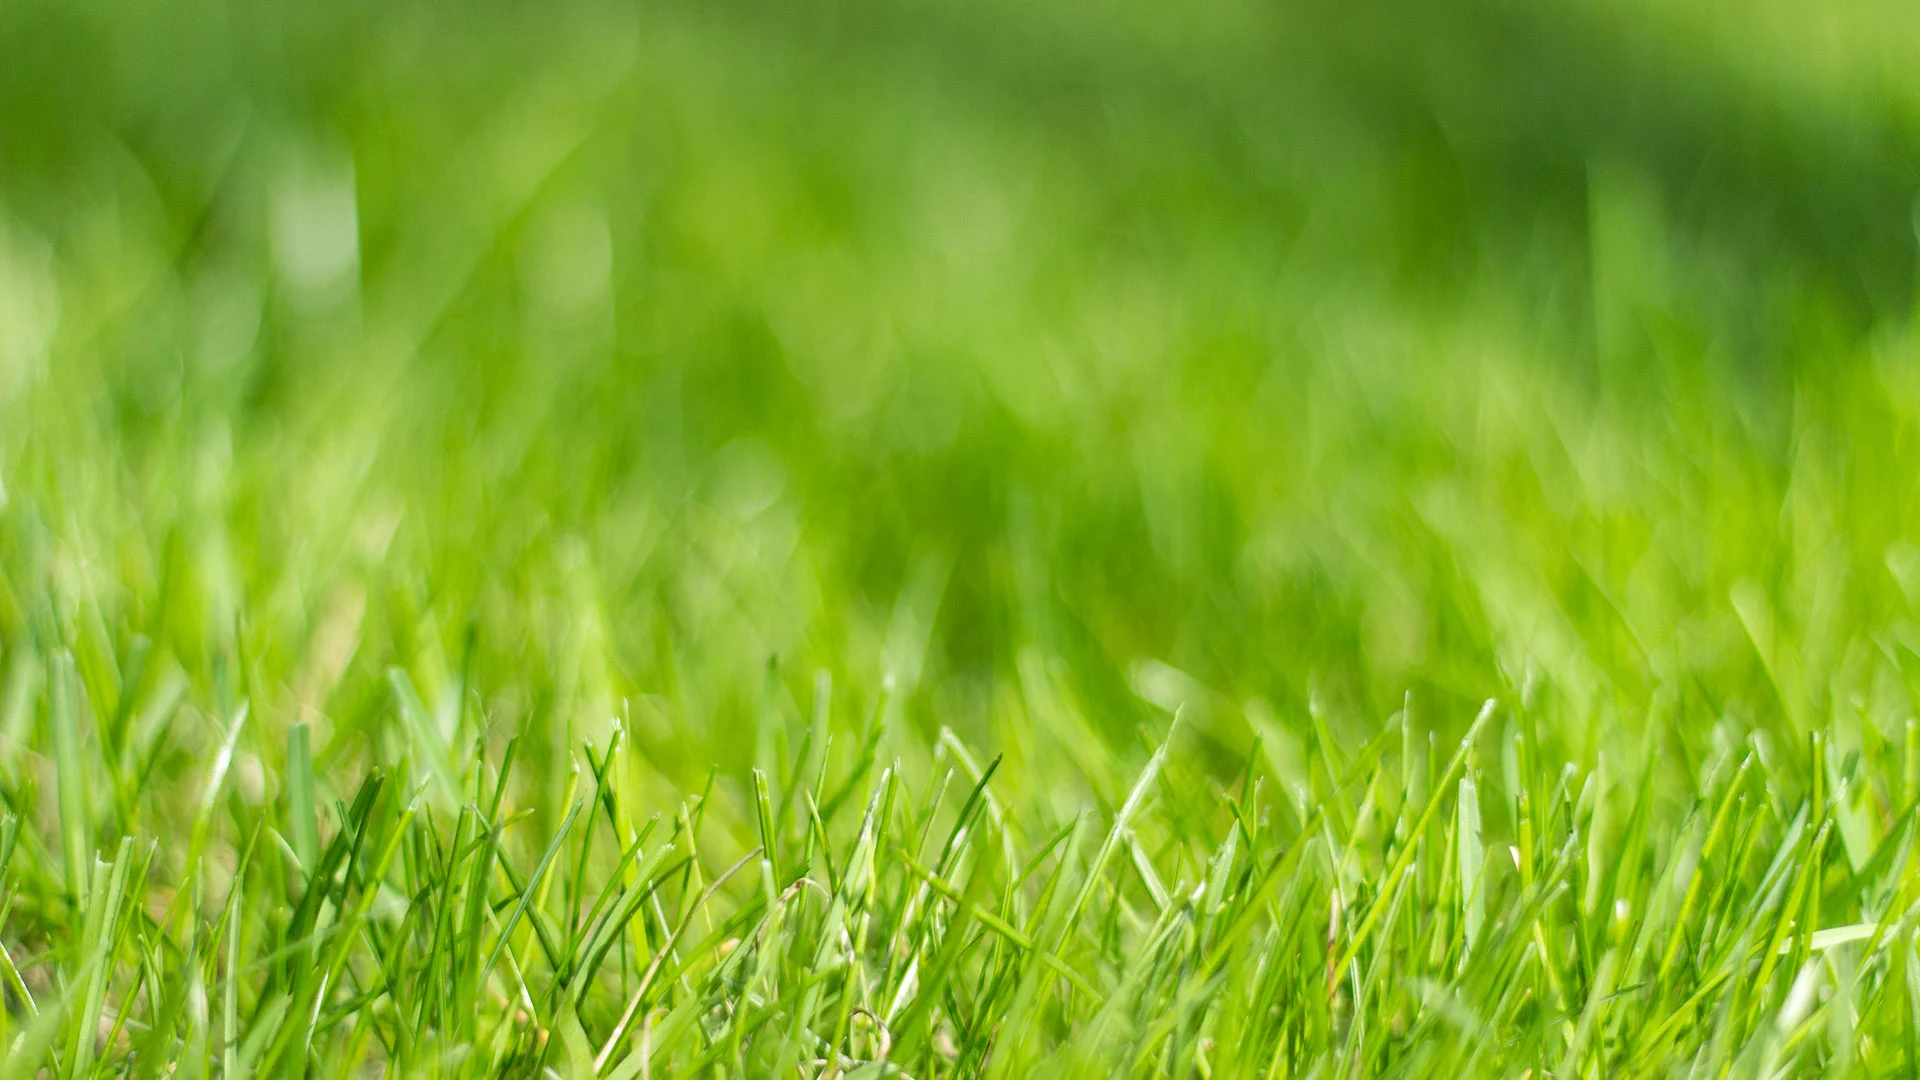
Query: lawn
column 860, row 538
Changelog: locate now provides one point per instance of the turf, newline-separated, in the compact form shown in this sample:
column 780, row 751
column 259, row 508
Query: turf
column 884, row 537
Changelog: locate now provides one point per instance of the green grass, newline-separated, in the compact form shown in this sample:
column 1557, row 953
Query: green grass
column 885, row 537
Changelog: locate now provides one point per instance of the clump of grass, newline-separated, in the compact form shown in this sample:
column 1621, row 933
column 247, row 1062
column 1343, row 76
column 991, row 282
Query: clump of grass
column 892, row 921
column 892, row 539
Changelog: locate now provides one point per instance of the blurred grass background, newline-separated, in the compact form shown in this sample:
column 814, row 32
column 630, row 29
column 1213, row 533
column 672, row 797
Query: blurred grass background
column 1059, row 362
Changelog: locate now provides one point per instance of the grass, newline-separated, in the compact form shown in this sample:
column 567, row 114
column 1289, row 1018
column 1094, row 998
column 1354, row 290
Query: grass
column 881, row 537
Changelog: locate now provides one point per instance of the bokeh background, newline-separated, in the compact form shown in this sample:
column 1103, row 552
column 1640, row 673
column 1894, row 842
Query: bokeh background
column 1062, row 363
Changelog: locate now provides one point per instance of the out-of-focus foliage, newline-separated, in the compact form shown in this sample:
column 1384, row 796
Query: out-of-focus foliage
column 432, row 375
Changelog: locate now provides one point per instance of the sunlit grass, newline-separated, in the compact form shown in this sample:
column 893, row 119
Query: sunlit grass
column 879, row 538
